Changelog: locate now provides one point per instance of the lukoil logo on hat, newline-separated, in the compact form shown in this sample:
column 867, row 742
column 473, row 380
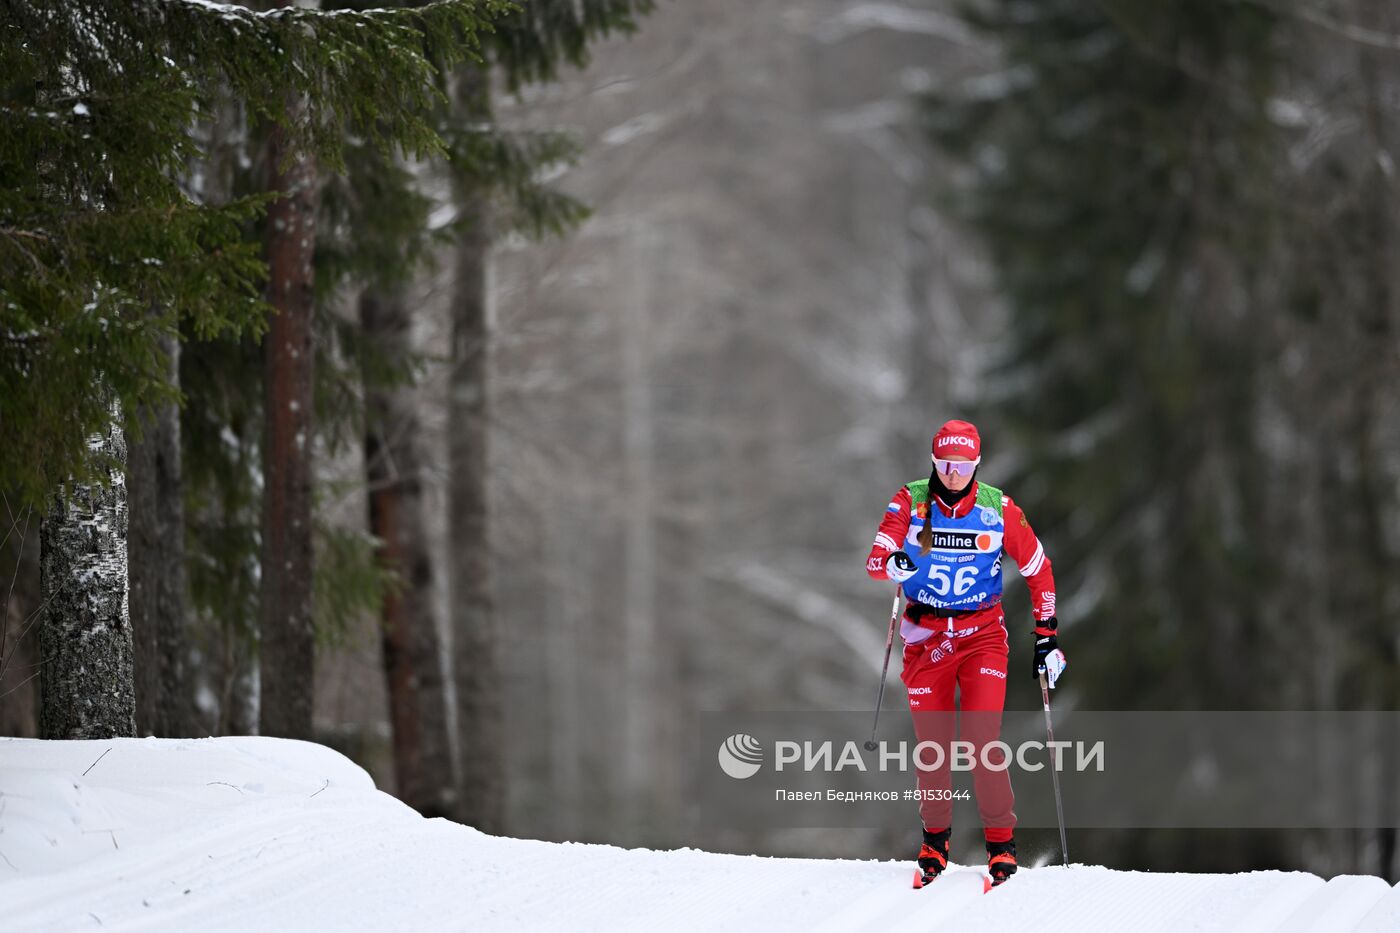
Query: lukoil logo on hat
column 957, row 438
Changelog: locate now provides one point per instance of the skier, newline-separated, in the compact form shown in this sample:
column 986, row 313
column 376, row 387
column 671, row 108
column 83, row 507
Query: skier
column 942, row 540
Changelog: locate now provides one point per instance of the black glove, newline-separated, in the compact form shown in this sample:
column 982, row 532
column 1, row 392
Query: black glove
column 1045, row 643
column 899, row 567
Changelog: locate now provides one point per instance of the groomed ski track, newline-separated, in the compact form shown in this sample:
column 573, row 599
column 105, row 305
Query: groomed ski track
column 250, row 834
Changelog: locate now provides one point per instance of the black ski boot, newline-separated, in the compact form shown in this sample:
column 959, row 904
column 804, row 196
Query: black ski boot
column 1001, row 860
column 933, row 857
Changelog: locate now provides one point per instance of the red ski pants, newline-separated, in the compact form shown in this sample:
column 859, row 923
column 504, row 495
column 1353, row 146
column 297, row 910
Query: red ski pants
column 975, row 664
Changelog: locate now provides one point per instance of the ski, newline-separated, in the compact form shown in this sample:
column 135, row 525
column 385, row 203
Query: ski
column 922, row 880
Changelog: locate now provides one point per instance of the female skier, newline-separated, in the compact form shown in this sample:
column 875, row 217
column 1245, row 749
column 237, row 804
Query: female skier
column 942, row 540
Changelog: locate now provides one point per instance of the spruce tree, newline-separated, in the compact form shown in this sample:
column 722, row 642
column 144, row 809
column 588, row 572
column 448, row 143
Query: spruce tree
column 94, row 228
column 373, row 232
column 1193, row 254
column 103, row 255
column 1117, row 170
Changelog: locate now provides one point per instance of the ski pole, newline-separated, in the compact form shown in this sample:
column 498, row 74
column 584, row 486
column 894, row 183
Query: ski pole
column 1055, row 770
column 884, row 671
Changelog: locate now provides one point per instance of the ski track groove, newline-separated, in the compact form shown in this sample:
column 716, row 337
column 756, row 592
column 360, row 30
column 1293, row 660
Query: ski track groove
column 606, row 889
column 246, row 851
column 894, row 903
column 365, row 872
column 1137, row 901
column 1338, row 906
column 1262, row 902
column 355, row 859
column 1384, row 916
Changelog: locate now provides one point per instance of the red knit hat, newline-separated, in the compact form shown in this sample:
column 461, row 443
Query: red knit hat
column 957, row 438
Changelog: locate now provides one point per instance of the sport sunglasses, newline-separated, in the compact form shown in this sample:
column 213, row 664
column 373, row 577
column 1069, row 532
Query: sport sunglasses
column 958, row 467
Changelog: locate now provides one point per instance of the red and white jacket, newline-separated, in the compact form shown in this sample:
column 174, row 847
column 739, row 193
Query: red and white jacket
column 1018, row 540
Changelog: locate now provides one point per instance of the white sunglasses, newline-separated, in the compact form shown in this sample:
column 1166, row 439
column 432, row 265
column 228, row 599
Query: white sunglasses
column 959, row 467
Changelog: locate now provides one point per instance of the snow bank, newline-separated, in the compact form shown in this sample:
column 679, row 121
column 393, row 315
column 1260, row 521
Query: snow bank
column 252, row 834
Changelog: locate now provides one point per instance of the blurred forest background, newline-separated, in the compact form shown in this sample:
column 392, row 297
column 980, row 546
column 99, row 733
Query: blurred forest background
column 610, row 395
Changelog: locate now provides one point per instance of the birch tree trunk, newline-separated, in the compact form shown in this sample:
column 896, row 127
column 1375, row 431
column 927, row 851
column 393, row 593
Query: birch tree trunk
column 286, row 652
column 156, row 570
column 413, row 662
column 86, row 688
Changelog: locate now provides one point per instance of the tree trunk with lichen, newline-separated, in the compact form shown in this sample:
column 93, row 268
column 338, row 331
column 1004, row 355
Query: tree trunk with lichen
column 86, row 688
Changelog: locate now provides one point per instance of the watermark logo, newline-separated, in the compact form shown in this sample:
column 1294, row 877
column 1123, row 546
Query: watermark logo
column 740, row 756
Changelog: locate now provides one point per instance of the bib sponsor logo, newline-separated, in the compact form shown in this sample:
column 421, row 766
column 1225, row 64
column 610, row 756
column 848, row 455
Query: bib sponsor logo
column 957, row 540
column 990, row 517
column 984, row 541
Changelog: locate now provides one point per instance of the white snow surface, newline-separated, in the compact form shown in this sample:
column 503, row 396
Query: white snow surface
column 251, row 834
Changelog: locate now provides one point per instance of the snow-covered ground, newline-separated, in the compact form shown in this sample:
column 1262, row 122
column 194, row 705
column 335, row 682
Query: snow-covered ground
column 251, row 834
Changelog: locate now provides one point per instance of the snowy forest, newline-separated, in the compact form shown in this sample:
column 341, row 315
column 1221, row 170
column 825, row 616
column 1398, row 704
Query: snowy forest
column 484, row 389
